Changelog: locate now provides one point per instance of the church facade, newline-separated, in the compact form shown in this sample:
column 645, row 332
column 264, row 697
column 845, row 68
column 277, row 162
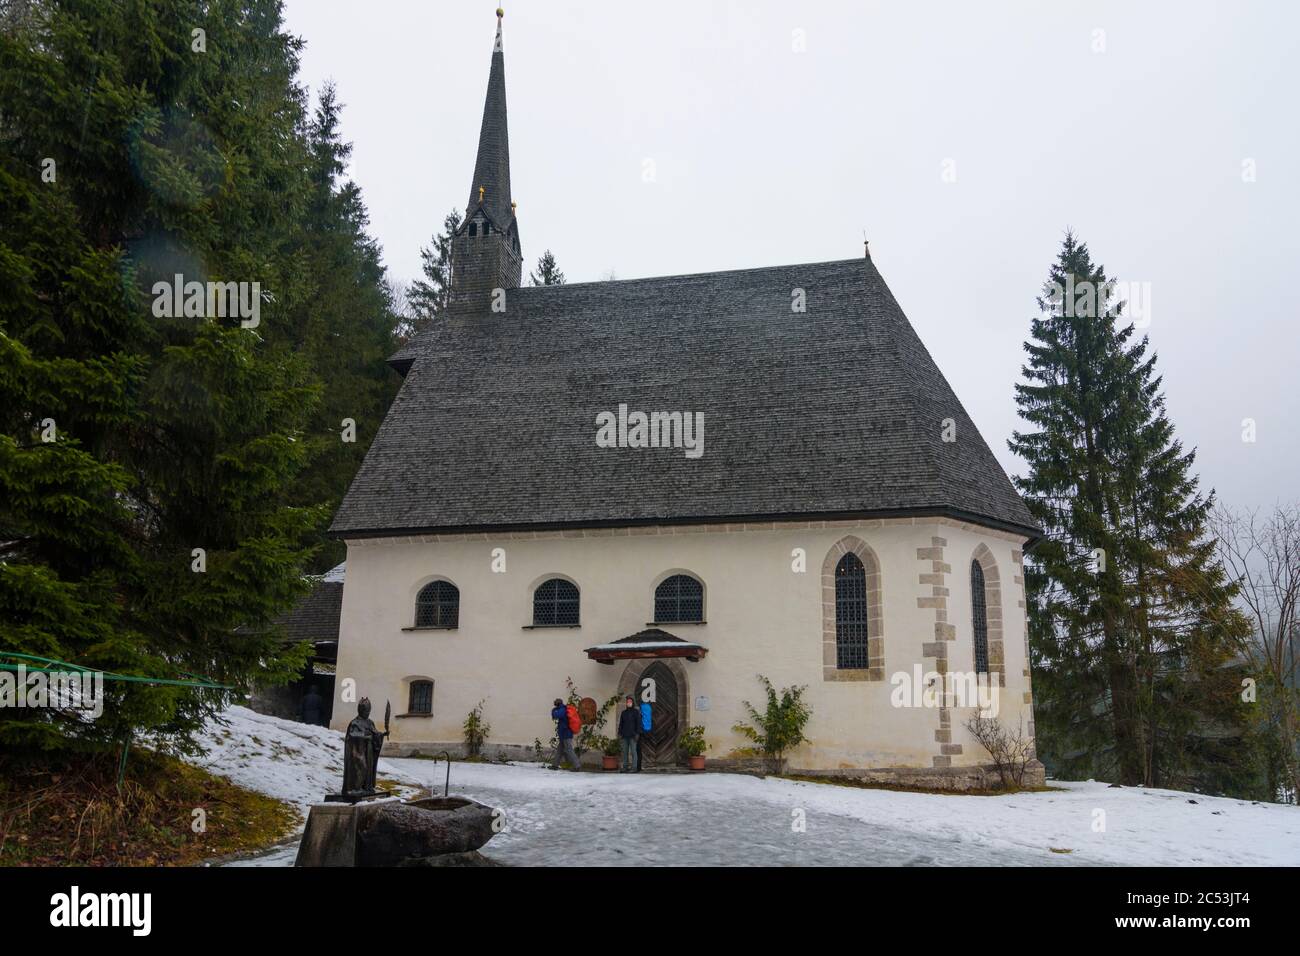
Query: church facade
column 680, row 484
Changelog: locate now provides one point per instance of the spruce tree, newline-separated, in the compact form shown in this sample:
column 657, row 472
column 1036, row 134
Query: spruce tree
column 343, row 322
column 1131, row 617
column 428, row 296
column 157, row 502
column 548, row 273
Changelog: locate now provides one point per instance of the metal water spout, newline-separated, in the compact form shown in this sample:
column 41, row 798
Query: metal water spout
column 446, row 789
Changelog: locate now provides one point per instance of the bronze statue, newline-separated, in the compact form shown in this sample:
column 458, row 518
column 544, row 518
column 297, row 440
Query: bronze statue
column 361, row 746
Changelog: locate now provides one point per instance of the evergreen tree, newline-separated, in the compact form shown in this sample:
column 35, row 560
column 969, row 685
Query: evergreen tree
column 157, row 509
column 428, row 296
column 548, row 273
column 344, row 323
column 1131, row 614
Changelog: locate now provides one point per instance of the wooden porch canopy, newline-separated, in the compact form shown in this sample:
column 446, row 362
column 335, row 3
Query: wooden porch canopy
column 650, row 643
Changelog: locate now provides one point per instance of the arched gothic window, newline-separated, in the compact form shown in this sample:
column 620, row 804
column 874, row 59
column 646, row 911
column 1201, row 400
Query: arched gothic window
column 979, row 618
column 850, row 613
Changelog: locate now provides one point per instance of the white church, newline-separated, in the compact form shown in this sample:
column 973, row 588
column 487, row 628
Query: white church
column 693, row 479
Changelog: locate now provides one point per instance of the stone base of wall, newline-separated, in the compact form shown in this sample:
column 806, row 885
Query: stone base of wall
column 491, row 752
column 753, row 766
column 495, row 753
column 955, row 779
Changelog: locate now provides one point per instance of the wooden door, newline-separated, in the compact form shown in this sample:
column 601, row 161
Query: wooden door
column 660, row 743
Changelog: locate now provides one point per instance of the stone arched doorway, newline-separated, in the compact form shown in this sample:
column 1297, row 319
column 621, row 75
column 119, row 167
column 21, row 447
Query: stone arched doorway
column 669, row 710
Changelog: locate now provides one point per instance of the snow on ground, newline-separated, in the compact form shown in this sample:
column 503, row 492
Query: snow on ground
column 293, row 762
column 564, row 818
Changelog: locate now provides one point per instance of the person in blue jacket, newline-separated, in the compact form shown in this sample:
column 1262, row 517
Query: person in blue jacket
column 563, row 737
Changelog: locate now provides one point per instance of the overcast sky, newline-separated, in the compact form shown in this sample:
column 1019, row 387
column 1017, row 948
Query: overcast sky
column 780, row 131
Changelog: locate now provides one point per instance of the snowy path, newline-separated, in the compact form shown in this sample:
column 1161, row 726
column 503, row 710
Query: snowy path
column 563, row 818
column 594, row 826
column 637, row 825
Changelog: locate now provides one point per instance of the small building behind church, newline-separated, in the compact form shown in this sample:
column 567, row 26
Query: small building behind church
column 314, row 620
column 680, row 483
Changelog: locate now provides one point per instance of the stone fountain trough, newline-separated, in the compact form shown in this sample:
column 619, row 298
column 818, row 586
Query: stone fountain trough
column 430, row 831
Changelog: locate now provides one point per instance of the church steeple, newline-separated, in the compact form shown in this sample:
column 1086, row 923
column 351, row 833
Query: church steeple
column 485, row 251
column 492, row 167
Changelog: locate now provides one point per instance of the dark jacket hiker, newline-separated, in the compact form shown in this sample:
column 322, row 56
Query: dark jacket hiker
column 629, row 722
column 629, row 728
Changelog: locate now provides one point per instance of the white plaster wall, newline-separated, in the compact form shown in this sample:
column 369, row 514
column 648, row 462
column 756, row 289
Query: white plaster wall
column 761, row 616
column 1014, row 710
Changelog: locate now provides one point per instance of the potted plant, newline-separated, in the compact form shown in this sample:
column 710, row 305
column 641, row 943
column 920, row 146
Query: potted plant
column 693, row 744
column 609, row 750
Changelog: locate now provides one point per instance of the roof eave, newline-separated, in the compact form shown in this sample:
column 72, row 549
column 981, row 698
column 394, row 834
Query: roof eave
column 692, row 652
column 1031, row 534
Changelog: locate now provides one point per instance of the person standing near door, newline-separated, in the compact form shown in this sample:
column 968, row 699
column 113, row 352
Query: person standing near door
column 645, row 729
column 629, row 728
column 312, row 709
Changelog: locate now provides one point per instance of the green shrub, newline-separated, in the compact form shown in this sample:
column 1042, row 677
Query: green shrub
column 476, row 731
column 780, row 726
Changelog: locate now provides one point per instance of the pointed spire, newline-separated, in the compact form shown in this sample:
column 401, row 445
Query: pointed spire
column 492, row 167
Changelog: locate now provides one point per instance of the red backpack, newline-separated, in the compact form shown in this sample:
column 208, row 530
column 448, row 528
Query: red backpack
column 575, row 722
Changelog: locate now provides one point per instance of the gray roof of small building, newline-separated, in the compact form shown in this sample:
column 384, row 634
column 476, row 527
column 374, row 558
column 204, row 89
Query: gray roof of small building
column 835, row 412
column 316, row 616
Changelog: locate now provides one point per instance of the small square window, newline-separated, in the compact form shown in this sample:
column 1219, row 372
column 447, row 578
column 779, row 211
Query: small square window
column 421, row 701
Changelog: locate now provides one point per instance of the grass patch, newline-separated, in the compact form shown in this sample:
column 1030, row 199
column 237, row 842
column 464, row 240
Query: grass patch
column 64, row 809
column 390, row 787
column 902, row 788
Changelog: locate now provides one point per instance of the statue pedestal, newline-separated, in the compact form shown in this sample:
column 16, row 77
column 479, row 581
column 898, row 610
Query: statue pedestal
column 330, row 837
column 353, row 797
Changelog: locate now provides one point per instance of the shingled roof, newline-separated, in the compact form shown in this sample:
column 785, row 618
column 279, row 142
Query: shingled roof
column 316, row 616
column 835, row 412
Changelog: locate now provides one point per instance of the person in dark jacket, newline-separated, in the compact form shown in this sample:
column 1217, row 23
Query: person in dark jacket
column 644, row 707
column 563, row 737
column 629, row 728
column 312, row 709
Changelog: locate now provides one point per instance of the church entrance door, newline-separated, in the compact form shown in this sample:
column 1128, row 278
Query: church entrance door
column 659, row 745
